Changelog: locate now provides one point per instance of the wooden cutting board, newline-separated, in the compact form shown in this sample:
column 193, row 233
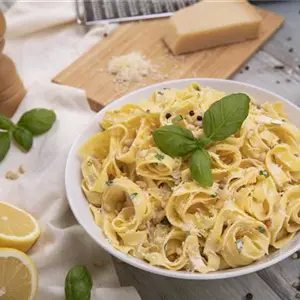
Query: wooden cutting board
column 89, row 72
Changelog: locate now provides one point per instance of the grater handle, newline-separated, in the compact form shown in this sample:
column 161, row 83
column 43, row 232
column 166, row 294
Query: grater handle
column 78, row 13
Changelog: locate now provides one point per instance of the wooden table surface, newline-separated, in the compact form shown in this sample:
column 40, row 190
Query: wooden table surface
column 273, row 283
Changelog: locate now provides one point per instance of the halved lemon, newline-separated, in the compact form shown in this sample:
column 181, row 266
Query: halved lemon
column 18, row 229
column 19, row 276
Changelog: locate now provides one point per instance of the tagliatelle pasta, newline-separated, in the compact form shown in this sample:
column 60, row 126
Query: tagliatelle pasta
column 148, row 205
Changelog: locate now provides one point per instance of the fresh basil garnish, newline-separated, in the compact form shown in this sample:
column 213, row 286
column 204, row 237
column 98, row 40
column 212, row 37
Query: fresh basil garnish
column 224, row 118
column 23, row 138
column 174, row 140
column 33, row 122
column 37, row 120
column 5, row 141
column 78, row 284
column 6, row 123
column 200, row 167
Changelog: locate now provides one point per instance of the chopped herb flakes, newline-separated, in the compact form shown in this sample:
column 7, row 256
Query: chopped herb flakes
column 109, row 182
column 239, row 245
column 261, row 229
column 177, row 119
column 214, row 195
column 196, row 86
column 264, row 173
column 160, row 157
column 89, row 163
column 133, row 195
column 160, row 93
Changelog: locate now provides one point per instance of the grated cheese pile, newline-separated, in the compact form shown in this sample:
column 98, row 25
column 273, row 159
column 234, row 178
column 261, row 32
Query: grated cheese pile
column 130, row 67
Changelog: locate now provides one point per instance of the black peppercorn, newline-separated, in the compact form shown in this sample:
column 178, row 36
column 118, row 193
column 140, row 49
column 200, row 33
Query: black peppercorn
column 249, row 296
column 168, row 115
column 279, row 67
column 191, row 113
column 291, row 50
column 247, row 68
column 105, row 34
column 199, row 118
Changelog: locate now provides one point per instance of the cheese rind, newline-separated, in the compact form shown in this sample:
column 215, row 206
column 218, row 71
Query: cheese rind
column 211, row 23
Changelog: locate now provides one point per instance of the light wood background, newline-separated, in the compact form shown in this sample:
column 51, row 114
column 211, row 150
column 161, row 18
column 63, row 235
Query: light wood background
column 274, row 283
column 90, row 73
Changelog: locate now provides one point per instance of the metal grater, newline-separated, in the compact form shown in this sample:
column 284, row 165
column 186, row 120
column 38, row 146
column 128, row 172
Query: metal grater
column 98, row 11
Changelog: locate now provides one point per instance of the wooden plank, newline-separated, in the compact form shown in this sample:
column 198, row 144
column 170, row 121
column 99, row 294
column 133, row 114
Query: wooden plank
column 281, row 277
column 155, row 287
column 262, row 73
column 90, row 71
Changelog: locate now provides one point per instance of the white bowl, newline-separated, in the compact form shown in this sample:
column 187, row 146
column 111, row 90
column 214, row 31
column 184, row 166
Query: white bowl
column 80, row 207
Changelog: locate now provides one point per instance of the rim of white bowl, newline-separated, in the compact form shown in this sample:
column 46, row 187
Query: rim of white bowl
column 140, row 264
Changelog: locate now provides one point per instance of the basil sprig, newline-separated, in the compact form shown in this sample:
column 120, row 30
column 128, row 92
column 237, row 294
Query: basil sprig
column 34, row 122
column 38, row 120
column 78, row 284
column 221, row 120
column 174, row 140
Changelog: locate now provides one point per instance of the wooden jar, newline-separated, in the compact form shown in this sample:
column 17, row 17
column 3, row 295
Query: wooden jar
column 12, row 90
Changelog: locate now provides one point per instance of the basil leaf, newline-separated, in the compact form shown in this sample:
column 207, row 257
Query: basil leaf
column 200, row 167
column 202, row 142
column 226, row 116
column 6, row 123
column 38, row 120
column 5, row 142
column 23, row 138
column 78, row 284
column 174, row 140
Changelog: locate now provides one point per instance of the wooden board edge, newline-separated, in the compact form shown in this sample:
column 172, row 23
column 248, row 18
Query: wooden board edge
column 280, row 22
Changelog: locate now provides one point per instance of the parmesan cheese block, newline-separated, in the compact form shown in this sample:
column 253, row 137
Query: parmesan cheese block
column 211, row 23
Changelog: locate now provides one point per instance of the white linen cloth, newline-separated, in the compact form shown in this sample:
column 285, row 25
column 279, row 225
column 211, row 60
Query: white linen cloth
column 42, row 38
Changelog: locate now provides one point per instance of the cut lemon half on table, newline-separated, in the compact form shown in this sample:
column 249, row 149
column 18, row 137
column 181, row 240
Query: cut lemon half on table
column 18, row 229
column 18, row 275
